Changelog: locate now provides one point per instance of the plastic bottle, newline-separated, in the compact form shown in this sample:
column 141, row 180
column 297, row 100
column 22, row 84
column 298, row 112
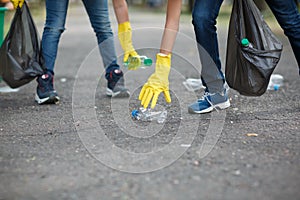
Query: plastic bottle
column 7, row 89
column 192, row 84
column 276, row 81
column 245, row 43
column 148, row 115
column 133, row 63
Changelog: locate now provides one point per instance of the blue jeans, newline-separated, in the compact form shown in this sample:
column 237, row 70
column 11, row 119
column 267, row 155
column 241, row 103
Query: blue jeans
column 56, row 11
column 288, row 17
column 205, row 13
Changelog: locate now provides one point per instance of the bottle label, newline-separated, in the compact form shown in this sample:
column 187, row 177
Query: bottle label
column 134, row 63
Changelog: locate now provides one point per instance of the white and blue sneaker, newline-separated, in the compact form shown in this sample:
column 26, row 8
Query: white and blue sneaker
column 210, row 101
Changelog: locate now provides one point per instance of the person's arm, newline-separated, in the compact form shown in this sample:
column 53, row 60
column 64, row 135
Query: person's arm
column 159, row 81
column 121, row 11
column 124, row 32
column 171, row 26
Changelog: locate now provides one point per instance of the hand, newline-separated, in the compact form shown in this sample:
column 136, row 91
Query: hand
column 17, row 3
column 158, row 82
column 125, row 35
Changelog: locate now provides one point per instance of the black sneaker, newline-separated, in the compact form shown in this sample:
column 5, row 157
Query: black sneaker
column 115, row 84
column 45, row 93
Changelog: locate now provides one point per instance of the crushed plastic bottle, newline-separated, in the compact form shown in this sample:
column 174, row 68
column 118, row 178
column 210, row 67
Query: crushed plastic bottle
column 138, row 62
column 276, row 81
column 7, row 89
column 149, row 115
column 192, row 84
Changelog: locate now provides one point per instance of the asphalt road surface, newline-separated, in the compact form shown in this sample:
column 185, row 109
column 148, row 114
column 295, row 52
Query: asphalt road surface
column 88, row 147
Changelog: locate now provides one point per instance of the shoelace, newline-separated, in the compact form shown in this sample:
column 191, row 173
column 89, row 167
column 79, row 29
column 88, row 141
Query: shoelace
column 206, row 95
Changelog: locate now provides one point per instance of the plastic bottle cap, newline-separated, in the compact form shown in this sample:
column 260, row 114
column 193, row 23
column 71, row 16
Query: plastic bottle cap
column 276, row 87
column 148, row 62
column 245, row 42
column 134, row 113
column 126, row 63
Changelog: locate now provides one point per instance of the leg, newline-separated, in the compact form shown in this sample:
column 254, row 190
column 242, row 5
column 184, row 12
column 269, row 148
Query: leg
column 54, row 26
column 205, row 13
column 99, row 18
column 56, row 12
column 287, row 15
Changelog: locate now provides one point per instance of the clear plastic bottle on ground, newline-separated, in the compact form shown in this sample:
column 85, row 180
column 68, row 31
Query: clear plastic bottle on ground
column 6, row 88
column 149, row 115
column 192, row 84
column 135, row 63
column 276, row 81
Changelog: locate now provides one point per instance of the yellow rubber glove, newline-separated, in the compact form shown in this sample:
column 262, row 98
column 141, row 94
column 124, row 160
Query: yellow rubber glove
column 158, row 82
column 17, row 3
column 125, row 35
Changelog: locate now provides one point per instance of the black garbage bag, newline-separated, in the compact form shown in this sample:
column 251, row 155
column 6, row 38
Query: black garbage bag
column 20, row 56
column 249, row 66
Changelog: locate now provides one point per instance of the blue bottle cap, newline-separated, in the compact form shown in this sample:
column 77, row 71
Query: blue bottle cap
column 134, row 113
column 276, row 87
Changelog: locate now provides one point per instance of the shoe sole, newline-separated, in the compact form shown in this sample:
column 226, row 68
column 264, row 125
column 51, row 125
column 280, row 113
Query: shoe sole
column 47, row 100
column 119, row 94
column 220, row 106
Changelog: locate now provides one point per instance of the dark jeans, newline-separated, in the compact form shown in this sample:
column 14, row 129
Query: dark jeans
column 205, row 13
column 288, row 16
column 97, row 11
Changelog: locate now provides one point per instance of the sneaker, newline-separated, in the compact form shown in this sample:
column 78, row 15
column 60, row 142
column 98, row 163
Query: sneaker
column 115, row 84
column 45, row 93
column 209, row 102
